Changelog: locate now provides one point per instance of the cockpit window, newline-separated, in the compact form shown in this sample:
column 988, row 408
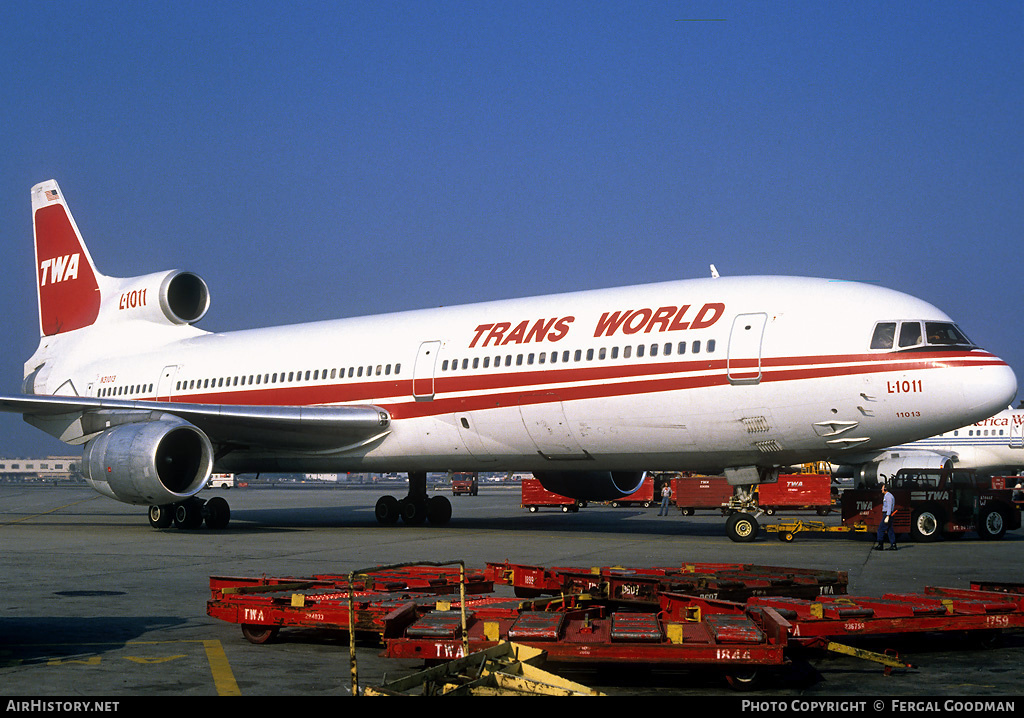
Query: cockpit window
column 909, row 335
column 884, row 334
column 946, row 334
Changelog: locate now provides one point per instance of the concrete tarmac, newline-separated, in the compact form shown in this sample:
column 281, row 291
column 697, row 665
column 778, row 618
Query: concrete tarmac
column 98, row 604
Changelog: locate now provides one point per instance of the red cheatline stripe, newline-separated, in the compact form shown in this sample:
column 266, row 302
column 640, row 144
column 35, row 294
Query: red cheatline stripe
column 538, row 395
column 491, row 390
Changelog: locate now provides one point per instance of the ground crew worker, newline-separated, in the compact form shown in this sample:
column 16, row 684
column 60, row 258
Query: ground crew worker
column 885, row 525
column 666, row 495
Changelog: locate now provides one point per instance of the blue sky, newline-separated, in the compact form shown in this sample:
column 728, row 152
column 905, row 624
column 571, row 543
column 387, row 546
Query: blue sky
column 318, row 160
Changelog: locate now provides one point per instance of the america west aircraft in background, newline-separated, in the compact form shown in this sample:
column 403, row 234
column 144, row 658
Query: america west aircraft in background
column 587, row 390
column 991, row 447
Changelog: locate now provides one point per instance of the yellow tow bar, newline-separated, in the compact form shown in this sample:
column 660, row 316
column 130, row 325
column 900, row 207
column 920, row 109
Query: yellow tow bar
column 888, row 659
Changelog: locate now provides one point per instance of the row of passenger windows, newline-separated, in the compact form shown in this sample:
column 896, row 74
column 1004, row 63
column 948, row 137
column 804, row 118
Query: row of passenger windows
column 981, row 432
column 354, row 372
column 127, row 390
column 568, row 356
column 260, row 379
column 290, row 377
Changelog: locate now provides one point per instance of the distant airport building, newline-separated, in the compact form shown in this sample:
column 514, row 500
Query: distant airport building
column 50, row 468
column 321, row 477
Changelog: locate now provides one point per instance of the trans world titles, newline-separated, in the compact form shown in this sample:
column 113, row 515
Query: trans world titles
column 630, row 321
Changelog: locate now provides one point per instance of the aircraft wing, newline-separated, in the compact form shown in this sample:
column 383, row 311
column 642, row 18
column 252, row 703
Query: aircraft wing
column 75, row 420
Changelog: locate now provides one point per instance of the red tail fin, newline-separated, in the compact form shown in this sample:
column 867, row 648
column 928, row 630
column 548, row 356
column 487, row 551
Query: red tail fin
column 69, row 292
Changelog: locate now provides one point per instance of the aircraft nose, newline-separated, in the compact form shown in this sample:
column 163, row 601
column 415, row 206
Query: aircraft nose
column 990, row 389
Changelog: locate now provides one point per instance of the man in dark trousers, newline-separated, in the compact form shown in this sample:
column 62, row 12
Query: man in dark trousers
column 666, row 496
column 885, row 525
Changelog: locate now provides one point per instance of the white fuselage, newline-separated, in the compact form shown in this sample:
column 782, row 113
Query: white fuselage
column 686, row 375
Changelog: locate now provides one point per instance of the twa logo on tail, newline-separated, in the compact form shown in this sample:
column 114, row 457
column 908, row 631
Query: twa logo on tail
column 59, row 269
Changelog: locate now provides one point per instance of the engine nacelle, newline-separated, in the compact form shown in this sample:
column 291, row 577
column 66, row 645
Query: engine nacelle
column 149, row 463
column 173, row 297
column 872, row 474
column 591, row 485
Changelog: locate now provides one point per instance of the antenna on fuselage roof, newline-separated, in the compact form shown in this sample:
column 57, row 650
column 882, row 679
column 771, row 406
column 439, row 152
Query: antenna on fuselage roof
column 714, row 272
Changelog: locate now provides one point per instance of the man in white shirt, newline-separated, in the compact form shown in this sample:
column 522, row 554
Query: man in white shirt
column 885, row 525
column 666, row 495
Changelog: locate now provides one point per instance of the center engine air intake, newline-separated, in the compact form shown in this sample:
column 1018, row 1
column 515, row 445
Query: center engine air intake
column 174, row 297
column 184, row 297
column 149, row 463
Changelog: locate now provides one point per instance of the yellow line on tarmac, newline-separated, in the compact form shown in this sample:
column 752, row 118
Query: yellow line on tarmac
column 44, row 513
column 220, row 669
column 223, row 677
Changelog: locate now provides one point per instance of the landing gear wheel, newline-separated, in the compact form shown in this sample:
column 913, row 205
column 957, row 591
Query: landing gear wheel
column 414, row 511
column 259, row 634
column 189, row 514
column 741, row 527
column 217, row 512
column 161, row 517
column 439, row 510
column 387, row 510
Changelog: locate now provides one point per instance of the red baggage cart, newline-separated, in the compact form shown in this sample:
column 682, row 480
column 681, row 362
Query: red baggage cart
column 536, row 496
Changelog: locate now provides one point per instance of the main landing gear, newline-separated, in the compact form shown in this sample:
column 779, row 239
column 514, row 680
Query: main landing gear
column 742, row 527
column 743, row 510
column 191, row 513
column 416, row 508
